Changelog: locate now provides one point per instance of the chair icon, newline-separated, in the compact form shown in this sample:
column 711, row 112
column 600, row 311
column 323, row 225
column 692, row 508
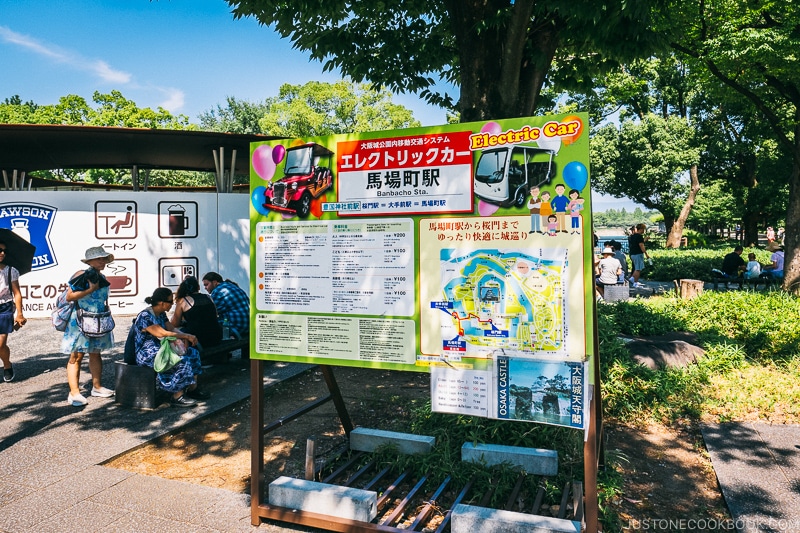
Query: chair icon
column 124, row 223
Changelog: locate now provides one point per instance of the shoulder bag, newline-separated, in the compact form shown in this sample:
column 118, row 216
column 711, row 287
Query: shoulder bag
column 95, row 325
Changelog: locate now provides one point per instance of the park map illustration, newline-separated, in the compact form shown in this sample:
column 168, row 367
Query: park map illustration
column 502, row 300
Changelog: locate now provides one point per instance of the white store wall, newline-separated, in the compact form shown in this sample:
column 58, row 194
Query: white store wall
column 156, row 237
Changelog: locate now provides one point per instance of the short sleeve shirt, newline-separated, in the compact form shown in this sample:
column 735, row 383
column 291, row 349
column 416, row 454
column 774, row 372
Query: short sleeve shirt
column 8, row 275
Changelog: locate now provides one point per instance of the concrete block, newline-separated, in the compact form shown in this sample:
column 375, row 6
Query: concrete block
column 322, row 498
column 533, row 460
column 469, row 519
column 368, row 440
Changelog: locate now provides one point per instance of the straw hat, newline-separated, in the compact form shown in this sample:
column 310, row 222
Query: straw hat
column 774, row 246
column 97, row 252
column 608, row 250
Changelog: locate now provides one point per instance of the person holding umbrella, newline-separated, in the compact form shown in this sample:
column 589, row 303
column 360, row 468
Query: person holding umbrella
column 10, row 295
column 89, row 289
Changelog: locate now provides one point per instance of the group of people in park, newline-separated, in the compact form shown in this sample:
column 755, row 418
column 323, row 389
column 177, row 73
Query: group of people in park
column 612, row 267
column 734, row 266
column 197, row 322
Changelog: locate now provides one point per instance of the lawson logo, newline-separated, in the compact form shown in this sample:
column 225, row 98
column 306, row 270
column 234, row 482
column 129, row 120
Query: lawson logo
column 33, row 223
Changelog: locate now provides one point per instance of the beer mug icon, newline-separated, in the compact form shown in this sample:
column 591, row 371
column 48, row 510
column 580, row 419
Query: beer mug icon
column 178, row 221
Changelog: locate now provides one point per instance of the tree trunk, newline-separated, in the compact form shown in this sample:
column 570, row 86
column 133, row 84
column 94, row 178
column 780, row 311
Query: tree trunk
column 690, row 288
column 791, row 264
column 496, row 79
column 676, row 231
column 750, row 228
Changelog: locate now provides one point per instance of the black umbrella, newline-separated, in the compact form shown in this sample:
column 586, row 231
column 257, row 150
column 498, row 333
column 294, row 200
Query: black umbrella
column 81, row 281
column 19, row 252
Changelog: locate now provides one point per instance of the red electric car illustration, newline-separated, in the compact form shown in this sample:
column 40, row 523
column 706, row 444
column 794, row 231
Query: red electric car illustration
column 306, row 175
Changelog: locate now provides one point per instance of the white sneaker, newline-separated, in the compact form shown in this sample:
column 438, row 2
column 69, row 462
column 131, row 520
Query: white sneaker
column 102, row 392
column 638, row 285
column 76, row 400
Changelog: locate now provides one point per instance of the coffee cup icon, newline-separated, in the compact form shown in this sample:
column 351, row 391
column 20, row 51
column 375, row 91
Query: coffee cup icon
column 178, row 221
column 118, row 282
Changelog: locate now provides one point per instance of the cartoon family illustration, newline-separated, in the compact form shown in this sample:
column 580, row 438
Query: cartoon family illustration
column 549, row 217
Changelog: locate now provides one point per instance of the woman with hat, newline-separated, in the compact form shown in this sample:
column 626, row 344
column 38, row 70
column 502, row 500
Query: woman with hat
column 10, row 298
column 608, row 269
column 89, row 290
column 775, row 269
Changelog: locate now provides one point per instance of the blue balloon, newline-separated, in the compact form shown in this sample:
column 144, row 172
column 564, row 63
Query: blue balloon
column 257, row 198
column 575, row 175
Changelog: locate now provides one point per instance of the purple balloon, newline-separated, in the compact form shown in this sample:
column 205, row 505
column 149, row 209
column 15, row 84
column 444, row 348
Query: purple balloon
column 263, row 163
column 277, row 154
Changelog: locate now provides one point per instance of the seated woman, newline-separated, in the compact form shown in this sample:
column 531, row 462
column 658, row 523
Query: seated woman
column 150, row 326
column 196, row 313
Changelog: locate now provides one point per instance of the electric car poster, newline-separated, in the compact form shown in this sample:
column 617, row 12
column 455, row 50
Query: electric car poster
column 447, row 247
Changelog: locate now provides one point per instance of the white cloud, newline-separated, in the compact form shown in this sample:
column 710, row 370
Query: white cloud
column 98, row 67
column 172, row 99
column 108, row 74
column 175, row 99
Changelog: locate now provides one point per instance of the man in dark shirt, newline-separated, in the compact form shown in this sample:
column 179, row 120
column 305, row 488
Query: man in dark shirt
column 733, row 264
column 637, row 251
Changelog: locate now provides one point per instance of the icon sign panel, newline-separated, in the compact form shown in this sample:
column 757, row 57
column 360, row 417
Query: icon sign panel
column 173, row 270
column 115, row 220
column 177, row 220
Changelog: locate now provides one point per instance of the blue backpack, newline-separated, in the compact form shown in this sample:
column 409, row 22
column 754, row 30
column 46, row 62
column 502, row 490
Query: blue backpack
column 62, row 312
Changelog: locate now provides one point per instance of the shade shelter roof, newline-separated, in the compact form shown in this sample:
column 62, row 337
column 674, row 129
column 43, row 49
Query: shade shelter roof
column 28, row 147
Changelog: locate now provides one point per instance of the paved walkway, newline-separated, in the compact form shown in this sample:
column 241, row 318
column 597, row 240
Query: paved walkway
column 758, row 467
column 51, row 454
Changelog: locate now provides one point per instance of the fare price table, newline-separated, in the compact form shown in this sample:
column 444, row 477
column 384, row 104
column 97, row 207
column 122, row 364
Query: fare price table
column 460, row 391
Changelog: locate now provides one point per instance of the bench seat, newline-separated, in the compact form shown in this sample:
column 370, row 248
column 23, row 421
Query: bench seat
column 135, row 385
column 224, row 351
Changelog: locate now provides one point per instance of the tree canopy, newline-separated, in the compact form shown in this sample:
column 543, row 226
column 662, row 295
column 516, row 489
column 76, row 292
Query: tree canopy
column 497, row 52
column 751, row 49
column 312, row 109
column 111, row 109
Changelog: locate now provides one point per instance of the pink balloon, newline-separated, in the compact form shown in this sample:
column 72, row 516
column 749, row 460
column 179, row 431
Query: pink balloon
column 486, row 209
column 492, row 128
column 277, row 154
column 263, row 163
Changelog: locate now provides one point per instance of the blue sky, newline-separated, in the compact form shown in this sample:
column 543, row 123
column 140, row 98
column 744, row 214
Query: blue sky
column 186, row 56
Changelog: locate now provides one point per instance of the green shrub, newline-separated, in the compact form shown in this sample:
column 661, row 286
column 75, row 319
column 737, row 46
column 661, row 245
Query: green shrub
column 684, row 263
column 695, row 239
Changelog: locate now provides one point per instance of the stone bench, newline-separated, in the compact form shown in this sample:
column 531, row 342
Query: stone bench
column 616, row 293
